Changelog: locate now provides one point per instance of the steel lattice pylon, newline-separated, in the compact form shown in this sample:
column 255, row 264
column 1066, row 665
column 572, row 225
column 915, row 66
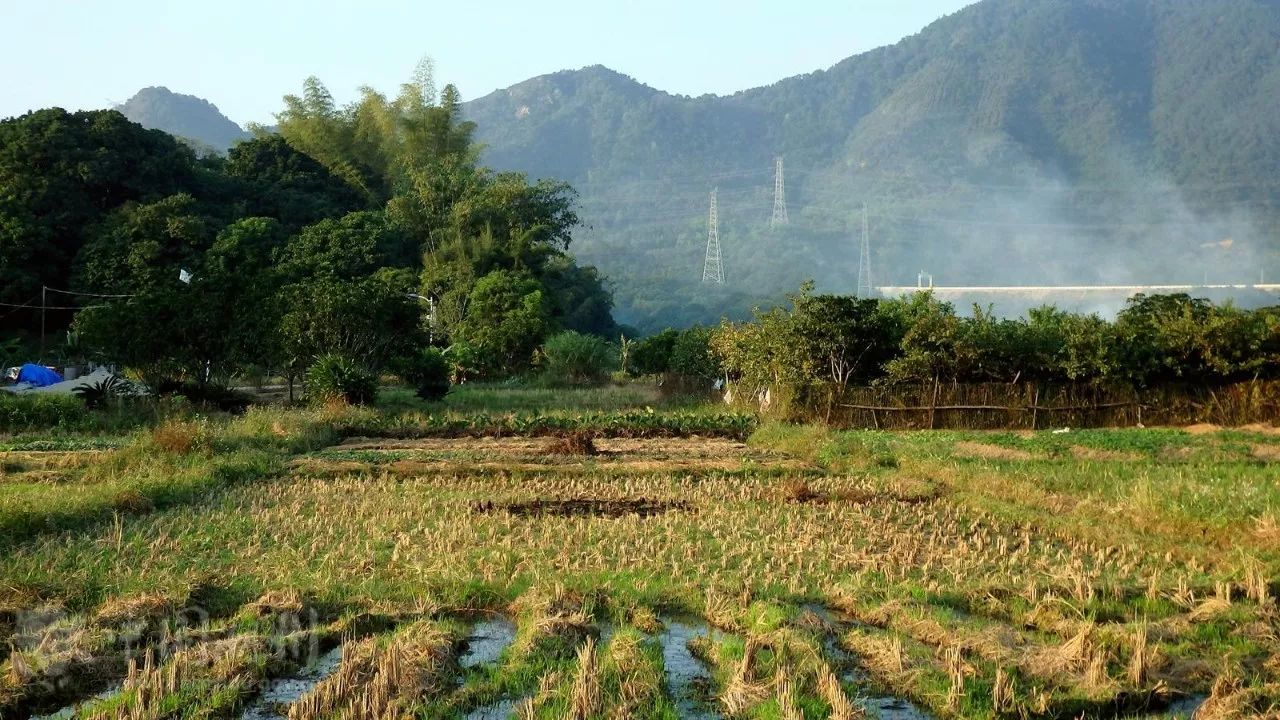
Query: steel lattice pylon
column 712, row 269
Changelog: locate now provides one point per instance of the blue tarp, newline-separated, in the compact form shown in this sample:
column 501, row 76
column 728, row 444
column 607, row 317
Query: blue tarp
column 38, row 375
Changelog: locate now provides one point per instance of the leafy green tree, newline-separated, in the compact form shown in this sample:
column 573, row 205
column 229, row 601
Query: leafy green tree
column 933, row 344
column 652, row 355
column 283, row 183
column 144, row 246
column 691, row 354
column 507, row 318
column 369, row 320
column 202, row 331
column 379, row 145
column 1065, row 347
column 60, row 174
column 353, row 246
column 842, row 338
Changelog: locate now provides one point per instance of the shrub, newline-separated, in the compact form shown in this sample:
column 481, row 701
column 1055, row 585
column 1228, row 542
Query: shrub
column 208, row 395
column 36, row 411
column 109, row 389
column 691, row 354
column 577, row 359
column 652, row 355
column 334, row 377
column 428, row 372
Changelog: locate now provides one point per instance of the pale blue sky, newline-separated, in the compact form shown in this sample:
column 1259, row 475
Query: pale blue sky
column 244, row 55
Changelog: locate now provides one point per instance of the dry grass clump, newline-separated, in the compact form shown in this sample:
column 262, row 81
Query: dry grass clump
column 147, row 606
column 798, row 490
column 579, row 442
column 1231, row 699
column 831, row 691
column 1140, row 658
column 1255, row 582
column 180, row 437
column 882, row 654
column 744, row 689
column 1002, row 693
column 276, row 602
column 379, row 679
column 785, row 692
column 645, row 620
column 984, row 451
column 555, row 621
column 149, row 687
column 47, row 644
column 585, row 700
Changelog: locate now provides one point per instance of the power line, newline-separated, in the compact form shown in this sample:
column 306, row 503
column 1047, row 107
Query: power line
column 33, row 306
column 86, row 294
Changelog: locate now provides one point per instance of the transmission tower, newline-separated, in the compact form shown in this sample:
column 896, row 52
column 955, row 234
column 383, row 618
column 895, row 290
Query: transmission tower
column 864, row 259
column 779, row 196
column 712, row 270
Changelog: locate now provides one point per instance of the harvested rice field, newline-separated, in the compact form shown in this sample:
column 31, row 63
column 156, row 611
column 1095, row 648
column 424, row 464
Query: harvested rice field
column 342, row 563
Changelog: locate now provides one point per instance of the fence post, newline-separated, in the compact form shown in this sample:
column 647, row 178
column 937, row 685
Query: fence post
column 1035, row 408
column 933, row 406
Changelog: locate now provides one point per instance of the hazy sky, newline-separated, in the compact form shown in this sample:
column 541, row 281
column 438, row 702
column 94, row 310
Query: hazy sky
column 244, row 55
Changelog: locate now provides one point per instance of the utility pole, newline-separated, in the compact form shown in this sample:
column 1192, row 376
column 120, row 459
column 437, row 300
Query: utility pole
column 44, row 304
column 779, row 196
column 864, row 259
column 712, row 270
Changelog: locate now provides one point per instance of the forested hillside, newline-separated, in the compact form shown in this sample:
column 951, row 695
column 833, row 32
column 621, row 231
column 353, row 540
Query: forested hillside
column 1017, row 141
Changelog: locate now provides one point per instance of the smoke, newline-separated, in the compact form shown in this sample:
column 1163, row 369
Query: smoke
column 1013, row 220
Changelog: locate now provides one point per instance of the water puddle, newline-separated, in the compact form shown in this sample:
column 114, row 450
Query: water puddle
column 884, row 708
column 891, row 708
column 70, row 710
column 1186, row 707
column 687, row 676
column 487, row 641
column 278, row 694
column 500, row 710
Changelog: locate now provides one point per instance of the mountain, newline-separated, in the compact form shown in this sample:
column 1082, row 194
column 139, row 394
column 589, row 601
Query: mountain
column 1013, row 142
column 193, row 120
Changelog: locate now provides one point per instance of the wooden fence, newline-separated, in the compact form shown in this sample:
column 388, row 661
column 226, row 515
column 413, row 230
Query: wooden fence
column 1032, row 406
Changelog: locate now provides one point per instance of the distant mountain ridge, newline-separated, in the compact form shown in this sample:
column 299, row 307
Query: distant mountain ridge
column 1015, row 141
column 187, row 117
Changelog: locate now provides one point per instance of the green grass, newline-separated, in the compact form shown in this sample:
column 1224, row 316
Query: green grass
column 939, row 539
column 497, row 398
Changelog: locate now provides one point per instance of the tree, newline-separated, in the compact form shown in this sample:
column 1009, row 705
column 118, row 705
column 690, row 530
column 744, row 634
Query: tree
column 203, row 331
column 652, row 355
column 507, row 318
column 933, row 345
column 843, row 337
column 286, row 184
column 691, row 354
column 143, row 246
column 368, row 320
column 60, row 174
column 353, row 246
